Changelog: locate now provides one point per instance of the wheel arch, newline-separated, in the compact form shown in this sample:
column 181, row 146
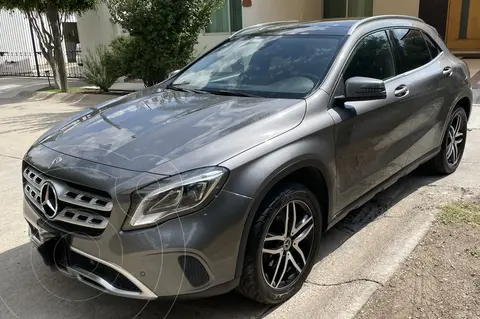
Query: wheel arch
column 465, row 101
column 311, row 173
column 466, row 104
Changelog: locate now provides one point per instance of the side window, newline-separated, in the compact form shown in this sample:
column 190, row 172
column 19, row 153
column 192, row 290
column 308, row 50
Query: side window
column 372, row 58
column 412, row 50
column 432, row 46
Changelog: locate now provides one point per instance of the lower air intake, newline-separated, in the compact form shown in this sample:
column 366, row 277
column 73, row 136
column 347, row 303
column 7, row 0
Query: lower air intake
column 194, row 271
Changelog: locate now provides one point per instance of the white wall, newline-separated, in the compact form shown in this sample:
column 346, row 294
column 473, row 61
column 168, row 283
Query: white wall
column 277, row 10
column 406, row 7
column 15, row 44
column 263, row 11
column 14, row 32
column 96, row 27
column 17, row 55
column 206, row 41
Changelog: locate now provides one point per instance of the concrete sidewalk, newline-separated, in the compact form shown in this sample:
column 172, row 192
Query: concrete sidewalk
column 357, row 256
column 121, row 86
column 11, row 87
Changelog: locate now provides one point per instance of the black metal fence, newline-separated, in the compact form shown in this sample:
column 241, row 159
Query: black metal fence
column 31, row 64
column 20, row 53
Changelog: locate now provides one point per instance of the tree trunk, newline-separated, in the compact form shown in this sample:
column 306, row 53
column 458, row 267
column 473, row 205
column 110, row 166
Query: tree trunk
column 53, row 66
column 52, row 16
column 55, row 75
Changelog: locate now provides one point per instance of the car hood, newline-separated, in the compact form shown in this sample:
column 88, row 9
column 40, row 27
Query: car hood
column 165, row 131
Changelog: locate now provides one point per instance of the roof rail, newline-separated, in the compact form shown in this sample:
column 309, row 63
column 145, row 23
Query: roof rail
column 258, row 27
column 382, row 17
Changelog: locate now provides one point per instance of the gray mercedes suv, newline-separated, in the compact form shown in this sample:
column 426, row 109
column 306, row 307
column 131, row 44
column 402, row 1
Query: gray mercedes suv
column 226, row 175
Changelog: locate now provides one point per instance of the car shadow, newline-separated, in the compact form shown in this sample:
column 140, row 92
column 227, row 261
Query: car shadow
column 31, row 290
column 22, row 115
column 30, row 123
column 374, row 209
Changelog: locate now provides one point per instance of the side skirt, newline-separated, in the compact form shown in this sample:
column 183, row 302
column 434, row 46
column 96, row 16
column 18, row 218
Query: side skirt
column 382, row 186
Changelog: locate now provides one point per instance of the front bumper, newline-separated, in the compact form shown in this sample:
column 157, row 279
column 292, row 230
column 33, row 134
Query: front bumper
column 194, row 255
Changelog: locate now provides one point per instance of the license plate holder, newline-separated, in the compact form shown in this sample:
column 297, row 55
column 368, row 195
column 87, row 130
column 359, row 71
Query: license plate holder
column 38, row 235
column 52, row 247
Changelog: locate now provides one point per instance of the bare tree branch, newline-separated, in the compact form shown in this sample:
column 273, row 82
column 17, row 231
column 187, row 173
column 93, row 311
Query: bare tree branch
column 39, row 29
column 45, row 31
column 41, row 36
column 62, row 16
column 46, row 18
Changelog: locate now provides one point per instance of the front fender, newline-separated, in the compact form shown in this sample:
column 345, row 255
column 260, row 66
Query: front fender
column 254, row 175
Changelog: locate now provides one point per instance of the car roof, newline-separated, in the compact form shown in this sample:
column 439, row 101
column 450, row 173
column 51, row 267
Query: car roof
column 325, row 27
column 339, row 27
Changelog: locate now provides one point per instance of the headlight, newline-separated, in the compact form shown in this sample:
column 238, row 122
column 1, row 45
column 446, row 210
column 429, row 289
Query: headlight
column 183, row 193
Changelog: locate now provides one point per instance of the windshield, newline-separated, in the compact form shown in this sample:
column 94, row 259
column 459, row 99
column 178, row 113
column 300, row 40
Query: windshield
column 267, row 66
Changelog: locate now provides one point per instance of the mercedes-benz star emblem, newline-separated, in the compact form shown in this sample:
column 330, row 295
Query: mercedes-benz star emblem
column 49, row 200
column 56, row 160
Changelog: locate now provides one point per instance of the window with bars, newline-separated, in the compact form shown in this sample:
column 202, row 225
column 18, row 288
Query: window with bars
column 226, row 19
column 347, row 8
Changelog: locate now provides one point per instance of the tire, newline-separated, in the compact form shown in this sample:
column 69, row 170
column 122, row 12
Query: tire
column 263, row 280
column 443, row 162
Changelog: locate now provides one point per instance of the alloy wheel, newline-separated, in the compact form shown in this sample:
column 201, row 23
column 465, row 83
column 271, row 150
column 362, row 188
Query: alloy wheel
column 288, row 244
column 455, row 140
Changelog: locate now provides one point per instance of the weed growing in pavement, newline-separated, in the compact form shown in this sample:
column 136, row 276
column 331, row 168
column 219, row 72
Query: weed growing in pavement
column 461, row 212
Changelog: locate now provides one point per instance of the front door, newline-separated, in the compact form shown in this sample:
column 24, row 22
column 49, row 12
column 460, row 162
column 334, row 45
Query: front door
column 370, row 136
column 463, row 29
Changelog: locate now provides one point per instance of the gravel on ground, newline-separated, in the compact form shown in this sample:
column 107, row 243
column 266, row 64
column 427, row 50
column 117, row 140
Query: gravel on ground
column 441, row 279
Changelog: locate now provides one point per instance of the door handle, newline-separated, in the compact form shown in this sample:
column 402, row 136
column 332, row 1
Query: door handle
column 447, row 71
column 401, row 90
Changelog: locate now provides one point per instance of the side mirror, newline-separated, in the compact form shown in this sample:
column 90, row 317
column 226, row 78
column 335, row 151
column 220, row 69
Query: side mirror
column 364, row 89
column 174, row 73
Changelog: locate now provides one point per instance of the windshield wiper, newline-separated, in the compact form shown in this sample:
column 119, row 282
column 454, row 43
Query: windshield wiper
column 181, row 88
column 232, row 93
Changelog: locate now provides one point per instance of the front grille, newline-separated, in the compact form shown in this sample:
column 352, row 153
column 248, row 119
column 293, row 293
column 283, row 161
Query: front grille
column 68, row 194
column 77, row 209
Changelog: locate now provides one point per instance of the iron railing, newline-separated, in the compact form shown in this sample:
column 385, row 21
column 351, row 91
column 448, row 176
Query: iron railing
column 20, row 53
column 25, row 64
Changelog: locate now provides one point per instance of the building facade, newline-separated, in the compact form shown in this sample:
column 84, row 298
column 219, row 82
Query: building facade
column 458, row 21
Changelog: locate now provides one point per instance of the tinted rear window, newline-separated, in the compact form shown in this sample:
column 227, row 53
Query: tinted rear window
column 411, row 49
column 432, row 46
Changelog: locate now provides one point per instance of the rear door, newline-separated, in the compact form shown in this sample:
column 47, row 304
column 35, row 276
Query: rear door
column 422, row 64
column 371, row 136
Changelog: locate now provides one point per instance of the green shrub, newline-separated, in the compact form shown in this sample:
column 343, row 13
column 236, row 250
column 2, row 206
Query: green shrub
column 163, row 34
column 138, row 60
column 101, row 67
column 123, row 48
